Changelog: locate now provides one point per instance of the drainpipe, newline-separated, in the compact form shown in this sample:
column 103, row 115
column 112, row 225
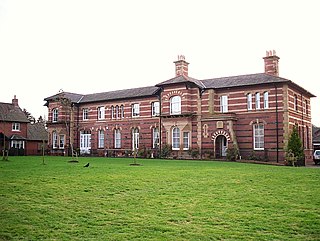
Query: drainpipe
column 277, row 123
column 160, row 122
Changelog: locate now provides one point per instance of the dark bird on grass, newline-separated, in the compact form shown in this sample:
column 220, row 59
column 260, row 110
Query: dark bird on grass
column 87, row 165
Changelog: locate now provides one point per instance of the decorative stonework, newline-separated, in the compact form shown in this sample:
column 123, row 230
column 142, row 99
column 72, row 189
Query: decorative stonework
column 205, row 131
column 219, row 124
column 219, row 133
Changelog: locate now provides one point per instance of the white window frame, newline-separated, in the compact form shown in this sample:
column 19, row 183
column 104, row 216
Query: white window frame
column 266, row 100
column 186, row 140
column 61, row 141
column 155, row 137
column 223, row 103
column 135, row 139
column 55, row 114
column 175, row 105
column 101, row 112
column 117, row 138
column 257, row 99
column 15, row 126
column 135, row 109
column 85, row 114
column 155, row 106
column 122, row 111
column 54, row 140
column 175, row 138
column 249, row 101
column 112, row 112
column 258, row 136
column 19, row 144
column 101, row 139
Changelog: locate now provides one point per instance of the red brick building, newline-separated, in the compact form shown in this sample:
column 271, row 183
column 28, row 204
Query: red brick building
column 253, row 113
column 17, row 135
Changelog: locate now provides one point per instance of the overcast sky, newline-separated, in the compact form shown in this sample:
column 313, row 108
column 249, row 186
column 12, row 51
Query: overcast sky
column 96, row 46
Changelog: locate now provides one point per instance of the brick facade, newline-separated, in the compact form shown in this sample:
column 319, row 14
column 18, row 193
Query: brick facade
column 210, row 116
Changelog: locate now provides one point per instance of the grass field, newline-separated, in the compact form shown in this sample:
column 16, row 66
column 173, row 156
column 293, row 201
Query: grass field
column 160, row 200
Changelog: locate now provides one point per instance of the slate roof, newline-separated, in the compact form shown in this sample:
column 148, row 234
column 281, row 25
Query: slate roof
column 182, row 79
column 121, row 94
column 10, row 113
column 214, row 83
column 37, row 132
column 75, row 98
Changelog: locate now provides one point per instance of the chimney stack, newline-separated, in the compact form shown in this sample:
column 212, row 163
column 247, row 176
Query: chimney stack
column 181, row 66
column 15, row 101
column 271, row 63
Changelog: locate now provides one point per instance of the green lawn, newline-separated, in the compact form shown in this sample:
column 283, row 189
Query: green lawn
column 160, row 200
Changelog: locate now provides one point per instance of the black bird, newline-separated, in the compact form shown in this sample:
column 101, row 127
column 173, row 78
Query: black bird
column 87, row 165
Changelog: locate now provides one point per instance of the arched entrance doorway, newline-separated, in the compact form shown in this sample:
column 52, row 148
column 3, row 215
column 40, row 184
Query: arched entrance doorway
column 221, row 146
column 220, row 143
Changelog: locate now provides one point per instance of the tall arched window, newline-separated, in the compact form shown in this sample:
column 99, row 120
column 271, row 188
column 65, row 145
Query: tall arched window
column 55, row 115
column 175, row 105
column 117, row 138
column 54, row 140
column 135, row 138
column 175, row 138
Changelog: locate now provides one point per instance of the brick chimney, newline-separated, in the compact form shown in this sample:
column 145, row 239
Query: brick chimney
column 15, row 101
column 181, row 66
column 271, row 63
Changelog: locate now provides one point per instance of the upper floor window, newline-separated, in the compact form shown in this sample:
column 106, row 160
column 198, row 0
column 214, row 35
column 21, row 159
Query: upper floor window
column 155, row 138
column 55, row 115
column 85, row 114
column 175, row 105
column 266, row 100
column 258, row 137
column 295, row 103
column 101, row 111
column 224, row 104
column 306, row 107
column 249, row 101
column 112, row 112
column 135, row 110
column 117, row 138
column 16, row 126
column 257, row 101
column 122, row 111
column 100, row 139
column 155, row 106
column 175, row 138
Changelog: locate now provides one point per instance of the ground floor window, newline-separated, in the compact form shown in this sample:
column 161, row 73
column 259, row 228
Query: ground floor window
column 186, row 141
column 258, row 137
column 85, row 142
column 19, row 144
column 175, row 138
column 100, row 139
column 54, row 140
column 117, row 138
column 135, row 138
column 155, row 139
column 61, row 141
